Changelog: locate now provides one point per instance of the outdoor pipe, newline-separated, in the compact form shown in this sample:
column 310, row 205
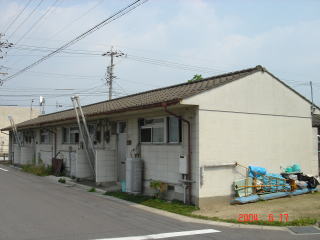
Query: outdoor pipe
column 189, row 176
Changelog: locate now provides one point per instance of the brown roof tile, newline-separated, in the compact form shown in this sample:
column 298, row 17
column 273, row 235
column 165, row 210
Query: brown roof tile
column 150, row 98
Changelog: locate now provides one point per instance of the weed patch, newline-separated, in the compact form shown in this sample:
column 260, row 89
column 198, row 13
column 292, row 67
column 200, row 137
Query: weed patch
column 62, row 180
column 92, row 190
column 170, row 206
column 39, row 170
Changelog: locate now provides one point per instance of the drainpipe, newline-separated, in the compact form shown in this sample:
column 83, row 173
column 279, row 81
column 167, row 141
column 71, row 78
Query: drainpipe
column 189, row 165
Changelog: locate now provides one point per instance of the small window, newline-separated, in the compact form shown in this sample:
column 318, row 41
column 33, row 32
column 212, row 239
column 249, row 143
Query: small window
column 122, row 127
column 158, row 135
column 113, row 126
column 27, row 137
column 20, row 136
column 74, row 135
column 45, row 136
column 106, row 136
column 65, row 135
column 146, row 135
column 174, row 130
column 92, row 129
column 98, row 136
column 152, row 130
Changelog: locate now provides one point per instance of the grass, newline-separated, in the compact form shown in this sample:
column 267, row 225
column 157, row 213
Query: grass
column 187, row 210
column 173, row 206
column 92, row 189
column 39, row 170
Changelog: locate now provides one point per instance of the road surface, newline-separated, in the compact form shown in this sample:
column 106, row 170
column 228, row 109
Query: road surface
column 35, row 208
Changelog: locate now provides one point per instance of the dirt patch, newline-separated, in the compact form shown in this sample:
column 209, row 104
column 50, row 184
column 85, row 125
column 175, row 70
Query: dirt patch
column 302, row 206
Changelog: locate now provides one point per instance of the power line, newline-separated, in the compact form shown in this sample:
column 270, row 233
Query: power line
column 113, row 17
column 65, row 75
column 75, row 20
column 153, row 61
column 65, row 27
column 37, row 22
column 17, row 16
column 26, row 19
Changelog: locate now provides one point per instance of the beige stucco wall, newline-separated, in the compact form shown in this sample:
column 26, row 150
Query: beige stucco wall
column 19, row 114
column 254, row 121
column 161, row 160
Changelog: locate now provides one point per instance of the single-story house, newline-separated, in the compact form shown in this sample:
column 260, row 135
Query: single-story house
column 189, row 135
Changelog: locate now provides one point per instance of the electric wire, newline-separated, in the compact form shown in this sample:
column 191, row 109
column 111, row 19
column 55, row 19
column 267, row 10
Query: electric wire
column 110, row 19
column 52, row 36
column 37, row 22
column 17, row 16
column 26, row 19
column 63, row 29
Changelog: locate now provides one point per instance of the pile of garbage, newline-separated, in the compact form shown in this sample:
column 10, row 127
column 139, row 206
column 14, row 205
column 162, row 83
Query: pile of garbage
column 262, row 185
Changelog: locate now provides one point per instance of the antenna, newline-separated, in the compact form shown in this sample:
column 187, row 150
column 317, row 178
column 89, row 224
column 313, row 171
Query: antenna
column 42, row 102
column 32, row 101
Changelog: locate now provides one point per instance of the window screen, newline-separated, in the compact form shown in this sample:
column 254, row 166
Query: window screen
column 158, row 134
column 146, row 136
column 173, row 130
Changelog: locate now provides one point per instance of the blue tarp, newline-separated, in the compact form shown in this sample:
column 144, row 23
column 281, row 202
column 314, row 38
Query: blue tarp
column 255, row 198
column 273, row 195
column 251, row 198
column 256, row 171
column 274, row 179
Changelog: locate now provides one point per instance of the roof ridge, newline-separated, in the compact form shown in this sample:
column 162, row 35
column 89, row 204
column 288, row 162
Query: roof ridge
column 258, row 68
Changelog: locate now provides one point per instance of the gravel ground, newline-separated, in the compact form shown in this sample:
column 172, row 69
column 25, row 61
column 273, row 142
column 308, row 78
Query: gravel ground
column 303, row 206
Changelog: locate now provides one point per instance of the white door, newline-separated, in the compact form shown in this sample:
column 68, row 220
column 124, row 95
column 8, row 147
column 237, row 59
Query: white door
column 122, row 150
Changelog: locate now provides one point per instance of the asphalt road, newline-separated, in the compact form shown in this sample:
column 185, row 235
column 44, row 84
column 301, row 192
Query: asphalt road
column 34, row 208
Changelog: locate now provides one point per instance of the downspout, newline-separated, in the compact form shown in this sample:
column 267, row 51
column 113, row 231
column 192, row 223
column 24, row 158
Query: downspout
column 189, row 159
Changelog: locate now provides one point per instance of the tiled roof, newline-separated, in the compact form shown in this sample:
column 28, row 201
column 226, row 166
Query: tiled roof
column 152, row 98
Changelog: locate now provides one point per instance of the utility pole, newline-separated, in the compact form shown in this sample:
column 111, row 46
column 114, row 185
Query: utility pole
column 32, row 101
column 4, row 45
column 109, row 74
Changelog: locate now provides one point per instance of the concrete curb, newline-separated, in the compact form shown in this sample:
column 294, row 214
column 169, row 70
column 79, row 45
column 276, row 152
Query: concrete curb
column 182, row 218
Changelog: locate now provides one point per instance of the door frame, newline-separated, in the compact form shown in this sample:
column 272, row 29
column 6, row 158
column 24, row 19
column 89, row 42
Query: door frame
column 121, row 173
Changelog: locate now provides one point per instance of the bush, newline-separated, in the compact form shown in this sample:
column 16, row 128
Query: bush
column 39, row 170
column 62, row 180
column 92, row 190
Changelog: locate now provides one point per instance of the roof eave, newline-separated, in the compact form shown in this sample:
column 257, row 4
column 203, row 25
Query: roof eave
column 154, row 105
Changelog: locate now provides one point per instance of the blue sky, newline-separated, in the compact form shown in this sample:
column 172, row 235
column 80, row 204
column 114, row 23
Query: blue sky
column 213, row 36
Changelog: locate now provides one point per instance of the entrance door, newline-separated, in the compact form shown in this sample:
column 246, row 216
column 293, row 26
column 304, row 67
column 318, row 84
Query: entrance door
column 122, row 150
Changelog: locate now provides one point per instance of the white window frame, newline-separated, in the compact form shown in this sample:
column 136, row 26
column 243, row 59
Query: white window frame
column 75, row 130
column 118, row 126
column 68, row 134
column 155, row 125
column 47, row 134
column 27, row 137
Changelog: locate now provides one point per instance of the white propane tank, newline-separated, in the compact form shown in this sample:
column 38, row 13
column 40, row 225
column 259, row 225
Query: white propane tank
column 134, row 170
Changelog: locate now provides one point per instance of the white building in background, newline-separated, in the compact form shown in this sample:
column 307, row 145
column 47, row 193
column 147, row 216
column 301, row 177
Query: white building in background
column 192, row 131
column 19, row 114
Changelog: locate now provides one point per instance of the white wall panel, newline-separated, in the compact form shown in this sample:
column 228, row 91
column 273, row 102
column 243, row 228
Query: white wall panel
column 105, row 166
